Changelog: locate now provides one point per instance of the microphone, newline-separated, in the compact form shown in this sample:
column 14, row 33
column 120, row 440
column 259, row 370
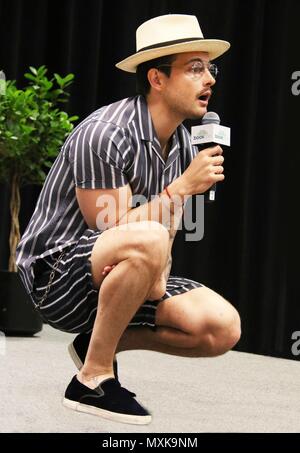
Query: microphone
column 210, row 133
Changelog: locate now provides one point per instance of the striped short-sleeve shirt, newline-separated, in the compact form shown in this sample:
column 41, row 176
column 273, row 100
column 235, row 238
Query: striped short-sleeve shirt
column 114, row 146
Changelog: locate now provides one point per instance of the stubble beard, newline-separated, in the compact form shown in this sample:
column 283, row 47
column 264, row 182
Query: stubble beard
column 179, row 109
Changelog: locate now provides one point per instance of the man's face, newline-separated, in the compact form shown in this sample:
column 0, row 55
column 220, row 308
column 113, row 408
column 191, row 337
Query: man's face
column 187, row 91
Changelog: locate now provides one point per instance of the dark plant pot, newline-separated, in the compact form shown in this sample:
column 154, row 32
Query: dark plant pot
column 17, row 315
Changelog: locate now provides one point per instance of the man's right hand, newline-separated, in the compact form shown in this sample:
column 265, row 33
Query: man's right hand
column 205, row 170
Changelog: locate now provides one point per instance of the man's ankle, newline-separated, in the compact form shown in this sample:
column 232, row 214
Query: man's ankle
column 92, row 381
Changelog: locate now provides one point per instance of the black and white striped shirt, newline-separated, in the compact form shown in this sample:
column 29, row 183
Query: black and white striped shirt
column 112, row 147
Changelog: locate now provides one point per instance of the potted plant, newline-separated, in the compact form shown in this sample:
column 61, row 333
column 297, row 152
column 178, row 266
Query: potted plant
column 32, row 129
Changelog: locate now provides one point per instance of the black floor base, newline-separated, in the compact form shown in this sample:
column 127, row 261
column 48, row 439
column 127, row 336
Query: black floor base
column 17, row 315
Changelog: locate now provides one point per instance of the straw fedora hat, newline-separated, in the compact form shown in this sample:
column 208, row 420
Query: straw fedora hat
column 170, row 34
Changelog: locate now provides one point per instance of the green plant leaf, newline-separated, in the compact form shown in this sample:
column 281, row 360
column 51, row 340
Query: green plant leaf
column 59, row 80
column 33, row 70
column 33, row 127
column 41, row 71
column 29, row 76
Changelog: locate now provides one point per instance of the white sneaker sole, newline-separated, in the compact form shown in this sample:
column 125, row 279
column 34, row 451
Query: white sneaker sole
column 113, row 416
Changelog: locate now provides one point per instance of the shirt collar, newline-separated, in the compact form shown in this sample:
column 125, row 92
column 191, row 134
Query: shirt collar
column 143, row 120
column 147, row 133
column 146, row 128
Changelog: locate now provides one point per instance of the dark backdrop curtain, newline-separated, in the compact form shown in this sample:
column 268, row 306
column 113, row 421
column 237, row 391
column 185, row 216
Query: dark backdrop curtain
column 244, row 254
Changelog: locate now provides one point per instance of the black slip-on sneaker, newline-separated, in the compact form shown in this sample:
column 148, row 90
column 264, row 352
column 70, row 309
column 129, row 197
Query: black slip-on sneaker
column 78, row 349
column 109, row 400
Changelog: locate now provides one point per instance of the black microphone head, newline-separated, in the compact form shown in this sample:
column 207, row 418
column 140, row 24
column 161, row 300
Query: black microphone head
column 211, row 117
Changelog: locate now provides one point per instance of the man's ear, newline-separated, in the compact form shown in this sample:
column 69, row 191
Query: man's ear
column 155, row 78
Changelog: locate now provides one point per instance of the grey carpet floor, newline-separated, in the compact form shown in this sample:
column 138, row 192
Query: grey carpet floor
column 237, row 392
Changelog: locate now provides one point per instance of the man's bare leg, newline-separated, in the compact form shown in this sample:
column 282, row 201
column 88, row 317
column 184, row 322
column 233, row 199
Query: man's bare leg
column 198, row 323
column 139, row 255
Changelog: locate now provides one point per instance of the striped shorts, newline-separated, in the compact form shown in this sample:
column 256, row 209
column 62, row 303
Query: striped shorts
column 71, row 303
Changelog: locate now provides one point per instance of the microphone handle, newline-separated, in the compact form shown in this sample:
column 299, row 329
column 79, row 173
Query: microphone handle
column 210, row 194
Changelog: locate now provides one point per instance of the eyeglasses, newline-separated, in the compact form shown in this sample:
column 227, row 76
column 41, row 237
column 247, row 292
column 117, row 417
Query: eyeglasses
column 196, row 69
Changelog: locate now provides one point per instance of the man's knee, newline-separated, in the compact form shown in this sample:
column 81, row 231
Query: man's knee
column 152, row 244
column 141, row 243
column 226, row 334
column 219, row 335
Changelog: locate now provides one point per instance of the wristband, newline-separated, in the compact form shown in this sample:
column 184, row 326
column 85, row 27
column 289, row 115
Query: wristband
column 170, row 196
